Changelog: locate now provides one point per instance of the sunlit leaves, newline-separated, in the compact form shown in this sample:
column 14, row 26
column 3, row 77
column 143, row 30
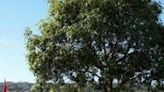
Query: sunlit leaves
column 97, row 42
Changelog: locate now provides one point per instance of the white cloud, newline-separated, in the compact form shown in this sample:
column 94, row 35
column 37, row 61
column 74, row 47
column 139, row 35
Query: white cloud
column 9, row 44
column 2, row 42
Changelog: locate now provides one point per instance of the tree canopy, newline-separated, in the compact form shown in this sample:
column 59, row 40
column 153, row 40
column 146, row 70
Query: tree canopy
column 108, row 43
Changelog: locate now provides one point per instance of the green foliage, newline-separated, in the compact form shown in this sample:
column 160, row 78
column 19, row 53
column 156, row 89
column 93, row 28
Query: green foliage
column 70, row 88
column 35, row 88
column 52, row 89
column 88, row 41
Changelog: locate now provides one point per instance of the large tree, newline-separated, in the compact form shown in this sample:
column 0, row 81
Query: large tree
column 108, row 43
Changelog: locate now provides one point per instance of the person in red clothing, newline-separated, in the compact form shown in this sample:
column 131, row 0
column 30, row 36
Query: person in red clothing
column 4, row 87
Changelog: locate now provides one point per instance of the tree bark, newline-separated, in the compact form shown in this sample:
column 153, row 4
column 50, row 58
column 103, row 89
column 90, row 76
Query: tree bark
column 108, row 86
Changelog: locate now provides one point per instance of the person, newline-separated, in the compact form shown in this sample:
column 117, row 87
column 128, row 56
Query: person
column 4, row 87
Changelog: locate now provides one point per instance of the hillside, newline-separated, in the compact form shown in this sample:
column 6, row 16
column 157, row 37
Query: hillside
column 17, row 87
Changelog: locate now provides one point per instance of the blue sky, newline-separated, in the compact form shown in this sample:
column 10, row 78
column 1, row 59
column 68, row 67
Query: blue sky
column 15, row 15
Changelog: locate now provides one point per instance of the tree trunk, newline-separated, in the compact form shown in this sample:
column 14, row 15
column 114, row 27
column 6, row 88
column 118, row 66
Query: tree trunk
column 108, row 86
